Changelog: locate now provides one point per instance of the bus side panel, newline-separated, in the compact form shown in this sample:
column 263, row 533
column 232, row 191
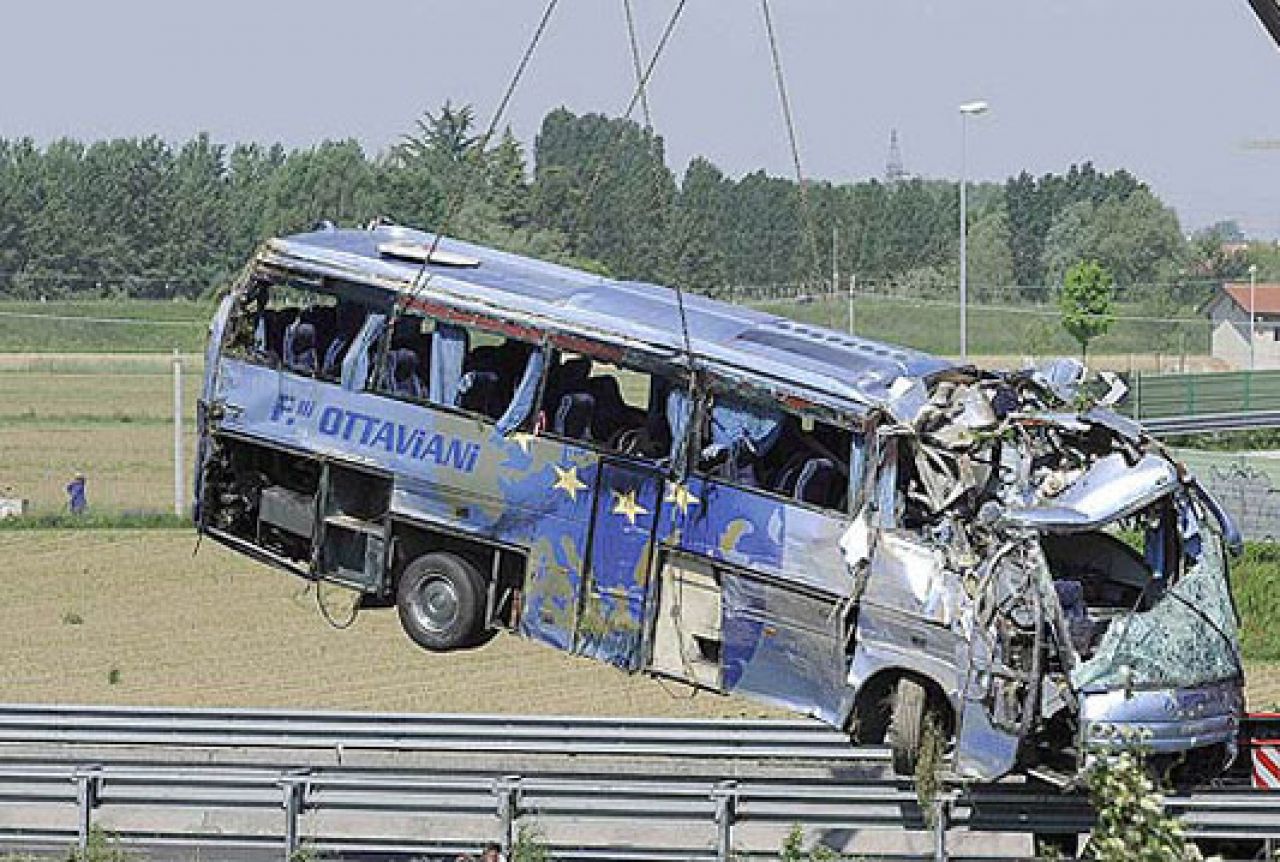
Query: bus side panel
column 547, row 487
column 784, row 647
column 613, row 618
column 451, row 469
column 760, row 532
column 781, row 643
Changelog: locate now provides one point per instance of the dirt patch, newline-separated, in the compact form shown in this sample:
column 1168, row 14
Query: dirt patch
column 83, row 608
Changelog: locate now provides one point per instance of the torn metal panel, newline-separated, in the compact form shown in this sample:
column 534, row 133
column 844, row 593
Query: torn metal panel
column 1109, row 489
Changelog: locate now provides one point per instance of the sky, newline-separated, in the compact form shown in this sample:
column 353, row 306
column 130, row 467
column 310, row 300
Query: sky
column 1170, row 89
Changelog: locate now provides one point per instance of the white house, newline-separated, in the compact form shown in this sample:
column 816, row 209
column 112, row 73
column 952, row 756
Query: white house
column 1229, row 313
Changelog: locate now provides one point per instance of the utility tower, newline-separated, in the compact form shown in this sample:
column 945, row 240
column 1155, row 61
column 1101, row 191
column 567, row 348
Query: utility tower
column 894, row 172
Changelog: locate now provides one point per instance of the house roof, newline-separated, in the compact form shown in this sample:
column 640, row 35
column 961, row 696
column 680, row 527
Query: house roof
column 802, row 356
column 1267, row 296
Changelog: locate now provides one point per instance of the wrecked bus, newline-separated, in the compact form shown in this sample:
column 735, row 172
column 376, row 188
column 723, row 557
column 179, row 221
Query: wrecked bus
column 748, row 504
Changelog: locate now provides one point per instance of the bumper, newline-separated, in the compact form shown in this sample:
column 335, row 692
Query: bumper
column 1164, row 721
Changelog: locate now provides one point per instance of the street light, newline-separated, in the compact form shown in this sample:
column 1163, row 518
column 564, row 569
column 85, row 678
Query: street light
column 968, row 109
column 1253, row 307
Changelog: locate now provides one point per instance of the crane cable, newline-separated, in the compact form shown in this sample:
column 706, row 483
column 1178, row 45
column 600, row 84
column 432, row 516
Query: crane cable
column 635, row 62
column 785, row 104
column 423, row 276
column 615, row 141
column 477, row 152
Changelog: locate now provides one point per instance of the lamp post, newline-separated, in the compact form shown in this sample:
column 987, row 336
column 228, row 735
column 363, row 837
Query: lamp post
column 968, row 109
column 1253, row 310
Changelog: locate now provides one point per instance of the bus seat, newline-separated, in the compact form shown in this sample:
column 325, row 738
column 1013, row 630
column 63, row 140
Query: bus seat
column 300, row 347
column 476, row 391
column 402, row 373
column 816, row 482
column 611, row 414
column 567, row 378
column 787, row 477
column 574, row 415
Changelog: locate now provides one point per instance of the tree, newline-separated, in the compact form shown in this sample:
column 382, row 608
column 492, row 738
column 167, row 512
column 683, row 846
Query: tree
column 1087, row 303
column 507, row 186
column 990, row 261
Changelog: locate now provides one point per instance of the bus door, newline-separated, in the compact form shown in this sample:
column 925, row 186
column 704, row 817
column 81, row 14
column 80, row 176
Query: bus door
column 755, row 584
column 612, row 621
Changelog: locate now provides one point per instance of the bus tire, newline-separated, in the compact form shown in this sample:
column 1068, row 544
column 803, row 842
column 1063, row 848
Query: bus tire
column 906, row 724
column 440, row 599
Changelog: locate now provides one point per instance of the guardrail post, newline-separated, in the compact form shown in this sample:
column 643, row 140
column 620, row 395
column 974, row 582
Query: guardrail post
column 88, row 792
column 507, row 789
column 294, row 785
column 725, row 795
column 941, row 818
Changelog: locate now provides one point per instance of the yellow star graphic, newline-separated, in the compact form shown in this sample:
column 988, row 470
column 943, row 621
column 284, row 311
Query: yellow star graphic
column 626, row 506
column 679, row 494
column 567, row 480
column 522, row 439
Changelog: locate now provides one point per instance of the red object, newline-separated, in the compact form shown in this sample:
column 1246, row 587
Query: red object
column 1266, row 767
column 1268, row 296
column 1265, row 755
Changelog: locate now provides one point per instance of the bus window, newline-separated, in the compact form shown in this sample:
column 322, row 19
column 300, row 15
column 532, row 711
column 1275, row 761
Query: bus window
column 303, row 331
column 758, row 445
column 455, row 366
column 621, row 409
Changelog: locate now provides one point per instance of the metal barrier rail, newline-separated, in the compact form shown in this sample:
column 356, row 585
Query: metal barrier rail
column 708, row 817
column 681, row 738
column 1212, row 423
column 632, row 783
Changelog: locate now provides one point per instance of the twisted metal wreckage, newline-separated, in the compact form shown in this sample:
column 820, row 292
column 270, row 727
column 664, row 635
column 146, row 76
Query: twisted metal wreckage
column 820, row 522
column 1080, row 571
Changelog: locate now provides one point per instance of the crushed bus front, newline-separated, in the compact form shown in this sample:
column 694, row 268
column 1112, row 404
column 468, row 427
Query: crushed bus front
column 1082, row 578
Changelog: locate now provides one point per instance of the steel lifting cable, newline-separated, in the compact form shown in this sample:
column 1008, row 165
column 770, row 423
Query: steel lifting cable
column 785, row 103
column 423, row 276
column 616, row 140
column 635, row 62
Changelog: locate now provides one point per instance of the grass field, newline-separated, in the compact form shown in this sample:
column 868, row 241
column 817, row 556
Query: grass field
column 106, row 417
column 83, row 608
column 103, row 326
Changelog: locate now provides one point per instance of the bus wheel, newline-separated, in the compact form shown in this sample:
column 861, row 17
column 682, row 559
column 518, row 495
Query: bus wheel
column 441, row 600
column 906, row 724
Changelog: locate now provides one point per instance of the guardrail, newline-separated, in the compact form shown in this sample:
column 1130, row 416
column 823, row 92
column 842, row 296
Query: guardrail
column 682, row 738
column 418, row 813
column 1212, row 423
column 641, row 800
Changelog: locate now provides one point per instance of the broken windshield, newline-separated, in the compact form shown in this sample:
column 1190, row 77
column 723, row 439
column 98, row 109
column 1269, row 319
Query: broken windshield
column 1186, row 638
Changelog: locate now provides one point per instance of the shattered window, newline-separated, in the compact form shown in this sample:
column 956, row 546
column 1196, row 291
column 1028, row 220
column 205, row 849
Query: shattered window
column 760, row 445
column 1186, row 638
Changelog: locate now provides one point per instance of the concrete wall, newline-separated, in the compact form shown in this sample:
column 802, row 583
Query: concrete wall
column 1231, row 338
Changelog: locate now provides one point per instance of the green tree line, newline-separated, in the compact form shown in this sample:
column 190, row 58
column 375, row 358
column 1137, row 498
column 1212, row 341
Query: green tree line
column 143, row 217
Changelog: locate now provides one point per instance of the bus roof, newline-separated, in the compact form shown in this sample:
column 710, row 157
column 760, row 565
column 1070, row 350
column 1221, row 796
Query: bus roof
column 806, row 360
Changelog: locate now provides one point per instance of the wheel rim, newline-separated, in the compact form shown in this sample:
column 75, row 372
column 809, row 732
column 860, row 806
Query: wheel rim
column 435, row 604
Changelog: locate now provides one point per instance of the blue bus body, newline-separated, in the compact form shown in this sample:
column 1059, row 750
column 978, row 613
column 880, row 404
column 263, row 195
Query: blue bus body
column 453, row 440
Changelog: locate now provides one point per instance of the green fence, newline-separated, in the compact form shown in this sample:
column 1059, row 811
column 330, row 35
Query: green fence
column 1159, row 395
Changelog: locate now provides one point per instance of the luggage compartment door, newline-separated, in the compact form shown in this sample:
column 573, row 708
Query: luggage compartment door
column 688, row 635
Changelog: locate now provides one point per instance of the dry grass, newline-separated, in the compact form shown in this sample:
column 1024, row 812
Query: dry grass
column 112, row 424
column 128, row 467
column 1264, row 686
column 218, row 630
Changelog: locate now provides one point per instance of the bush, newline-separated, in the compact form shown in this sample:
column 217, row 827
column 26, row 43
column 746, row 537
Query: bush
column 1132, row 824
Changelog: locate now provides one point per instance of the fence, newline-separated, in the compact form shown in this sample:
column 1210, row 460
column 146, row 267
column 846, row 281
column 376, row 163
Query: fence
column 1158, row 396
